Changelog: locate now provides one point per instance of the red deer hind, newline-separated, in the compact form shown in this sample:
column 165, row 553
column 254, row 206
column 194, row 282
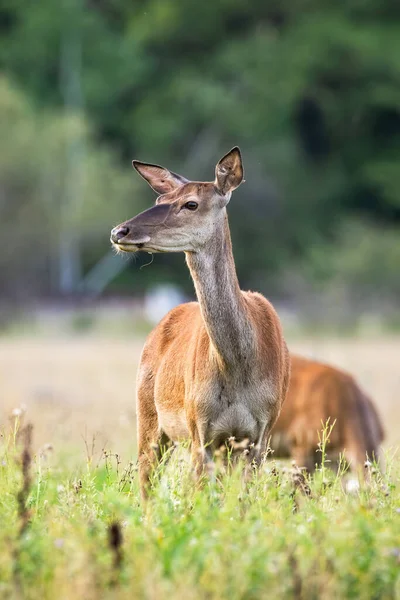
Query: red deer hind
column 317, row 392
column 218, row 367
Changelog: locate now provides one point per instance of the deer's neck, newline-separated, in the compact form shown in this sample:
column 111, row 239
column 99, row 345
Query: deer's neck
column 221, row 301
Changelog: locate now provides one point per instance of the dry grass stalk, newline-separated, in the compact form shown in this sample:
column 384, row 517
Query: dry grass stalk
column 300, row 482
column 296, row 576
column 24, row 514
column 26, row 462
column 115, row 541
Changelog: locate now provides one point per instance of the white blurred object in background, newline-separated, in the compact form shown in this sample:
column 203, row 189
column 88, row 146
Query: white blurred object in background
column 160, row 299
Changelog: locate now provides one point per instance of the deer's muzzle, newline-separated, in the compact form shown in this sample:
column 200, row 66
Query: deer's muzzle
column 138, row 231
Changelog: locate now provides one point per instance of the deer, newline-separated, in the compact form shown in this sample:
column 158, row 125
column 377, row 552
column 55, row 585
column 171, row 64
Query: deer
column 213, row 369
column 318, row 392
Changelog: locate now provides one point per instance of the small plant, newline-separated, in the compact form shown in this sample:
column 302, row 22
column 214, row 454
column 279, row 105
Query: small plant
column 323, row 441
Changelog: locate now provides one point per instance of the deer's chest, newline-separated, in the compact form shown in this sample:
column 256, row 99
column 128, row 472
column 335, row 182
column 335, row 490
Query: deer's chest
column 238, row 409
column 220, row 408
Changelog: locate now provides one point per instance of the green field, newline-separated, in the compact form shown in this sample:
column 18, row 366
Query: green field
column 72, row 525
column 83, row 534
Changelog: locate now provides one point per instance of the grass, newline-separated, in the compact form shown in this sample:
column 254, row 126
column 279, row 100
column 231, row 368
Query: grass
column 84, row 534
column 72, row 526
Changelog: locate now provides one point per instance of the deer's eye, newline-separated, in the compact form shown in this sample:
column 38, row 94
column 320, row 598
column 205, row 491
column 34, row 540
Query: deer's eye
column 191, row 205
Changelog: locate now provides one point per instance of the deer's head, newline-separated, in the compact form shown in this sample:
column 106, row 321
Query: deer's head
column 186, row 214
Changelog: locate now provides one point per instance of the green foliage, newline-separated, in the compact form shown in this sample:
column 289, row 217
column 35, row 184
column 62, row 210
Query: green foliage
column 309, row 90
column 227, row 540
column 38, row 200
column 356, row 269
column 364, row 259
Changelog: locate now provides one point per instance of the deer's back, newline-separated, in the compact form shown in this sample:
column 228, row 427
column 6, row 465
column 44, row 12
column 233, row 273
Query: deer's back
column 318, row 392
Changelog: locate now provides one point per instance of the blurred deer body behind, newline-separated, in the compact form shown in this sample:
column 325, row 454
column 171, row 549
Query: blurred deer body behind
column 218, row 367
column 317, row 392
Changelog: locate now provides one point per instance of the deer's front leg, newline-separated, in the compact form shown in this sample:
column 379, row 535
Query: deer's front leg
column 201, row 455
column 258, row 451
column 152, row 441
column 202, row 460
column 150, row 452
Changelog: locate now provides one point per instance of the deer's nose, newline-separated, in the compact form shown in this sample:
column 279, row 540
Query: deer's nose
column 118, row 233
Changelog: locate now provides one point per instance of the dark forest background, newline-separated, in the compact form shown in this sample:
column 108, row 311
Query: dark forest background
column 309, row 89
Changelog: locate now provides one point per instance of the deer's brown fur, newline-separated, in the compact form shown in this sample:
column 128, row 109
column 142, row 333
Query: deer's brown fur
column 317, row 392
column 218, row 367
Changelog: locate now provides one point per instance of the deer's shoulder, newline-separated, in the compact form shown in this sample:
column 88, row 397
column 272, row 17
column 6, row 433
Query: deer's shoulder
column 176, row 325
column 264, row 317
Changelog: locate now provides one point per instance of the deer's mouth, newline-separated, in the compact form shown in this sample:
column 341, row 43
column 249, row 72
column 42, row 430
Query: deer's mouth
column 123, row 245
column 139, row 246
column 128, row 246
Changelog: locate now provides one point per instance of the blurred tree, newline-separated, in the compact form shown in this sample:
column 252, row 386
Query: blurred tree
column 310, row 90
column 33, row 175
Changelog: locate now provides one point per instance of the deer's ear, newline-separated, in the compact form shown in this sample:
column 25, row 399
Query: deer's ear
column 161, row 180
column 229, row 172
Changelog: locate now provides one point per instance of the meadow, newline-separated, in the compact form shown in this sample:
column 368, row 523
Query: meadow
column 72, row 525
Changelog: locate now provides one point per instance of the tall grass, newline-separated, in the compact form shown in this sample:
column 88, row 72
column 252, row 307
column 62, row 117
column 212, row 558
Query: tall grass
column 84, row 534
